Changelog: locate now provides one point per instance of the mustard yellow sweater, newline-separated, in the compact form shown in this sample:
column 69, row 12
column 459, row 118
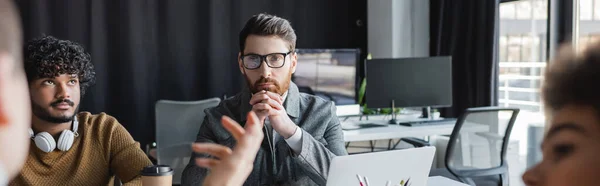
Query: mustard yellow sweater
column 104, row 148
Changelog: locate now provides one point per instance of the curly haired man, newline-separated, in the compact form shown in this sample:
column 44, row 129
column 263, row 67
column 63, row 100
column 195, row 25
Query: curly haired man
column 71, row 147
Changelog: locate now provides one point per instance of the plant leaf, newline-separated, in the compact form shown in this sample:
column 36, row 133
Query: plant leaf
column 361, row 91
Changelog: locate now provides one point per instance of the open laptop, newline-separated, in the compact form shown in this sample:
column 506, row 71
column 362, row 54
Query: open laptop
column 380, row 167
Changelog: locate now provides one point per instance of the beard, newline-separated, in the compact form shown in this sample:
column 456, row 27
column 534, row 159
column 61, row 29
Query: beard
column 278, row 87
column 45, row 115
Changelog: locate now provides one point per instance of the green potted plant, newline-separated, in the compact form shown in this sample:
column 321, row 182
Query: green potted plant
column 435, row 114
column 361, row 98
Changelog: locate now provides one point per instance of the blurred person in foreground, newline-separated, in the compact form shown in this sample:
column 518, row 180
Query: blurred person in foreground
column 15, row 110
column 233, row 166
column 571, row 146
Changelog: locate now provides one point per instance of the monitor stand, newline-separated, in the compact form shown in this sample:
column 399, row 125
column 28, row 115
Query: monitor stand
column 393, row 120
column 426, row 113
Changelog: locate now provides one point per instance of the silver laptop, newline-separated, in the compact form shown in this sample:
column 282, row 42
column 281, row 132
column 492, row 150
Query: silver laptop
column 398, row 166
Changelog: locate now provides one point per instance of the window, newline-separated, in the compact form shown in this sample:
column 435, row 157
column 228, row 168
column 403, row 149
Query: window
column 502, row 53
column 540, row 9
column 589, row 22
column 507, row 11
column 524, row 10
column 596, row 10
column 586, row 9
column 522, row 59
column 522, row 53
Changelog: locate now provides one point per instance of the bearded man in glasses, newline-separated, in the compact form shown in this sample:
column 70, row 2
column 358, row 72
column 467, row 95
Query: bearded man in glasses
column 302, row 134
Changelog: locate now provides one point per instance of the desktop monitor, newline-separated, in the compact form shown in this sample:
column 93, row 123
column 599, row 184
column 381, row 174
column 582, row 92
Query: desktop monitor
column 328, row 73
column 409, row 82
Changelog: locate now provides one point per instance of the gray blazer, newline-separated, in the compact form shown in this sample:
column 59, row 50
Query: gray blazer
column 322, row 139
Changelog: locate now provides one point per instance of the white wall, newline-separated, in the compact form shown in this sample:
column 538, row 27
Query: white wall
column 398, row 28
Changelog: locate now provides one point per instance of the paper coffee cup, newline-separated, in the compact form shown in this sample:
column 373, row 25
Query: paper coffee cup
column 157, row 175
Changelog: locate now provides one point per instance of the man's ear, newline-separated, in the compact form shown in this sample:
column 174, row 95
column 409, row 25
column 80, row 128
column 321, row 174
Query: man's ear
column 294, row 60
column 7, row 66
column 240, row 65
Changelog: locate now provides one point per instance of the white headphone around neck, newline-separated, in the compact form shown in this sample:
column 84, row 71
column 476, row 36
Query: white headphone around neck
column 45, row 142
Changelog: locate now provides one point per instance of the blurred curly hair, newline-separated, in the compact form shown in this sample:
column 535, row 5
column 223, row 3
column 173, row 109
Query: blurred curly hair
column 48, row 57
column 572, row 79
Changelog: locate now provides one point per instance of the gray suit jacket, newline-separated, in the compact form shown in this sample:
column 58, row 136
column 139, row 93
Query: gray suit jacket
column 322, row 139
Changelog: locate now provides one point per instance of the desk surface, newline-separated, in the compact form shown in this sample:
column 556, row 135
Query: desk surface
column 399, row 131
column 439, row 181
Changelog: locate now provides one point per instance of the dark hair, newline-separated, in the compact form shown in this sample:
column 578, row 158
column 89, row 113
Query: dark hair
column 10, row 31
column 267, row 25
column 47, row 57
column 572, row 78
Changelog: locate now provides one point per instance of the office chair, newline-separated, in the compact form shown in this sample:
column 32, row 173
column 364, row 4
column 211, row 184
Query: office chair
column 177, row 124
column 490, row 125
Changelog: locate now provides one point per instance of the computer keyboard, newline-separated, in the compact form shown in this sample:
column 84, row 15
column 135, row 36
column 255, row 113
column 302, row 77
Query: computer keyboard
column 443, row 121
column 361, row 126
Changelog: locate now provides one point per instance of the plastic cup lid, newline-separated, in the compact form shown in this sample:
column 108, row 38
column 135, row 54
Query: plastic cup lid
column 157, row 170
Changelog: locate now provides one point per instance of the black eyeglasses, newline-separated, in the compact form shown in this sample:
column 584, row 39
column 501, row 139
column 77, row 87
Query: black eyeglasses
column 273, row 60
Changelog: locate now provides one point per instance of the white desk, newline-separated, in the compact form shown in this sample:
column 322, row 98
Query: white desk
column 443, row 181
column 399, row 131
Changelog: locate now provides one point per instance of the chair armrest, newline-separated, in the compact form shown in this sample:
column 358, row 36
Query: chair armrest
column 482, row 172
column 416, row 142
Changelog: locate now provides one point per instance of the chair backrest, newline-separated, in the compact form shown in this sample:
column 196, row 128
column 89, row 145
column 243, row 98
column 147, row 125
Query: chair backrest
column 177, row 124
column 478, row 143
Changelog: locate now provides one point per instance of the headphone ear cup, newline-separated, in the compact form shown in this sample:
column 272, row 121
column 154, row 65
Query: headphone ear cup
column 65, row 141
column 45, row 142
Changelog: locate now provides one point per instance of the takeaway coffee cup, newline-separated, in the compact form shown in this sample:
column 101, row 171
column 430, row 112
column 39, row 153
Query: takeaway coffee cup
column 157, row 175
